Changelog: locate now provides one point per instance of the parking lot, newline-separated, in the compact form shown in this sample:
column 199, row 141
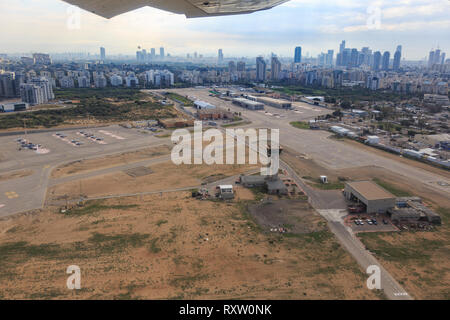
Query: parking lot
column 40, row 152
column 369, row 223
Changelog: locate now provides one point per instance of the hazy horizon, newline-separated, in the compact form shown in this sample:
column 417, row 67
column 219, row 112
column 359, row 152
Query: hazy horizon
column 315, row 25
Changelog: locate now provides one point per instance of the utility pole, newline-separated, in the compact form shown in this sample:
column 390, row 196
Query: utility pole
column 25, row 128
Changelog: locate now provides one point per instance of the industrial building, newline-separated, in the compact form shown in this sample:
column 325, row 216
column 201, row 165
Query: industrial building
column 213, row 114
column 226, row 192
column 276, row 103
column 372, row 196
column 248, row 104
column 203, row 105
column 13, row 107
column 273, row 184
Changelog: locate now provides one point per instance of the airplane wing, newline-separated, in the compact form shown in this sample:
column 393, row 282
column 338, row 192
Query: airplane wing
column 190, row 8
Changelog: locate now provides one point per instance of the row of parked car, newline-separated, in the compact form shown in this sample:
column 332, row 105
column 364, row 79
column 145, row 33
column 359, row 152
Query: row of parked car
column 74, row 142
column 360, row 222
column 90, row 136
column 24, row 144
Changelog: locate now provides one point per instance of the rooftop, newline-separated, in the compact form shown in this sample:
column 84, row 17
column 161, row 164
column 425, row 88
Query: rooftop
column 370, row 190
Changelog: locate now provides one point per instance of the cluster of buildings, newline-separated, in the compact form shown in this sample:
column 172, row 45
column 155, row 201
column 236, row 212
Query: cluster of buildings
column 377, row 200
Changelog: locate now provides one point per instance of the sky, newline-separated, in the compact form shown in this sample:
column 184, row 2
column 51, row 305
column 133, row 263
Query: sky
column 52, row 26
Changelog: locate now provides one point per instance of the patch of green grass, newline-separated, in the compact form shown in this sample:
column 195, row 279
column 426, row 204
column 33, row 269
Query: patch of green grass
column 161, row 222
column 109, row 243
column 417, row 250
column 331, row 185
column 300, row 124
column 180, row 99
column 392, row 189
column 153, row 247
column 445, row 214
column 187, row 281
column 96, row 206
column 236, row 124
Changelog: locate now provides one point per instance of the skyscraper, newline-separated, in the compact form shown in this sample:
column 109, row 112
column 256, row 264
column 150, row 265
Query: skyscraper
column 241, row 66
column 298, row 55
column 329, row 58
column 102, row 53
column 231, row 67
column 386, row 57
column 376, row 61
column 220, row 56
column 161, row 53
column 340, row 55
column 152, row 53
column 354, row 57
column 260, row 69
column 275, row 68
column 397, row 58
column 431, row 58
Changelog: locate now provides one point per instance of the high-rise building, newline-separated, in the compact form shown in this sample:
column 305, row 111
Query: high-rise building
column 231, row 67
column 376, row 61
column 220, row 56
column 37, row 91
column 385, row 62
column 431, row 58
column 161, row 53
column 275, row 68
column 354, row 57
column 298, row 55
column 260, row 69
column 152, row 53
column 339, row 57
column 241, row 66
column 8, row 87
column 397, row 58
column 329, row 58
column 436, row 57
column 102, row 53
column 116, row 80
column 159, row 78
column 42, row 58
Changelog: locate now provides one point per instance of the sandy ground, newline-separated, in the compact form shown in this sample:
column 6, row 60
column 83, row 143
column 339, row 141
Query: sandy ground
column 420, row 261
column 164, row 176
column 169, row 247
column 84, row 166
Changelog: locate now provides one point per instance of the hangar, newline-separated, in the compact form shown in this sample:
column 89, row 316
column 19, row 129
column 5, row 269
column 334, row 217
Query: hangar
column 375, row 198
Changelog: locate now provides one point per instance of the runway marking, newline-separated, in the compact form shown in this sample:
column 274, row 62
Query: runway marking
column 11, row 195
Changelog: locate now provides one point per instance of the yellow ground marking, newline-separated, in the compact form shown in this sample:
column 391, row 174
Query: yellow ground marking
column 11, row 195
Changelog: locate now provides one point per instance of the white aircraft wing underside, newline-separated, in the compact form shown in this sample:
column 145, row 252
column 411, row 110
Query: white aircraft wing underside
column 191, row 8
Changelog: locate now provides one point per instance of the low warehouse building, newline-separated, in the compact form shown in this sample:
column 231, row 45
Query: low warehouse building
column 276, row 103
column 203, row 105
column 375, row 198
column 248, row 104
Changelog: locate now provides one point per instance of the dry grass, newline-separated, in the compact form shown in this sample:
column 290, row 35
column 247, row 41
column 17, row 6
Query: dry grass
column 169, row 247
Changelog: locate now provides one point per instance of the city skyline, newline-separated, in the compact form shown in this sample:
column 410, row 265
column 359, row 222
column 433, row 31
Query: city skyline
column 320, row 28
